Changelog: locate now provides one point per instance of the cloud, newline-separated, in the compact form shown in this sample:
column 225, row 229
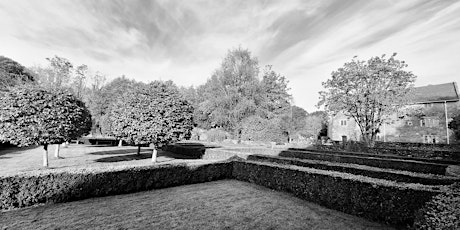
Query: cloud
column 185, row 41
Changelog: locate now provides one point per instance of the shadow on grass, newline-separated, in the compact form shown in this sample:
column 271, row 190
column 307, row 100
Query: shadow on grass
column 119, row 151
column 130, row 157
column 16, row 150
column 144, row 155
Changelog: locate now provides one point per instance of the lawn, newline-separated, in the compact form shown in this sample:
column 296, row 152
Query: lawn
column 17, row 160
column 226, row 204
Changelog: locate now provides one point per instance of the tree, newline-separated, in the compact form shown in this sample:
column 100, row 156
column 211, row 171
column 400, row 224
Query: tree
column 368, row 91
column 455, row 126
column 230, row 93
column 275, row 99
column 256, row 128
column 34, row 116
column 316, row 124
column 154, row 113
column 12, row 73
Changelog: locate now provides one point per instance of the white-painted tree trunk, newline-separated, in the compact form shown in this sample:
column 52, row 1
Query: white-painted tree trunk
column 65, row 144
column 154, row 155
column 45, row 155
column 120, row 143
column 56, row 150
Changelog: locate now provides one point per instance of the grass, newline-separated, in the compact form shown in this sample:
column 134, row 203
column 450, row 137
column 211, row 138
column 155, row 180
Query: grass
column 227, row 204
column 19, row 160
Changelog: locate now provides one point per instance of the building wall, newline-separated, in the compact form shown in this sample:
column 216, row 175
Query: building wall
column 429, row 128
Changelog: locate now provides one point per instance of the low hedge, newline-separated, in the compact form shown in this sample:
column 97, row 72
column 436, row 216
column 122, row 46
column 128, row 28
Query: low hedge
column 387, row 174
column 374, row 199
column 407, row 165
column 382, row 154
column 52, row 187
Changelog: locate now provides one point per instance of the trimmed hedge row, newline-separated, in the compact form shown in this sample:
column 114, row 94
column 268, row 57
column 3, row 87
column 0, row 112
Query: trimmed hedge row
column 407, row 165
column 417, row 152
column 386, row 174
column 379, row 155
column 25, row 190
column 374, row 199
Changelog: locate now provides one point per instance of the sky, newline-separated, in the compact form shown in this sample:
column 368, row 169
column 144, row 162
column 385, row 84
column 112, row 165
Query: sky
column 185, row 41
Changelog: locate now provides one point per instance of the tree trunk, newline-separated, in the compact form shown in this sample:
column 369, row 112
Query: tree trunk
column 65, row 144
column 139, row 150
column 120, row 143
column 56, row 150
column 154, row 154
column 45, row 155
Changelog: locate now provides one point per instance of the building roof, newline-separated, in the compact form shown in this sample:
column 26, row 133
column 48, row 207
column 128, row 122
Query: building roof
column 436, row 93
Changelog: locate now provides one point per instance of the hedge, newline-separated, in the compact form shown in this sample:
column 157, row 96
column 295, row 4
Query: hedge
column 382, row 154
column 407, row 165
column 374, row 199
column 442, row 212
column 422, row 151
column 387, row 174
column 52, row 187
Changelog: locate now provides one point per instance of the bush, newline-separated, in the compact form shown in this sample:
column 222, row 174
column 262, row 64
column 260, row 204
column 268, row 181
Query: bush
column 407, row 165
column 193, row 150
column 256, row 128
column 374, row 199
column 442, row 212
column 386, row 174
column 216, row 135
column 52, row 187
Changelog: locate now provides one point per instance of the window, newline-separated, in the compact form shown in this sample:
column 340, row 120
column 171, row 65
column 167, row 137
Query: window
column 430, row 139
column 429, row 122
column 343, row 122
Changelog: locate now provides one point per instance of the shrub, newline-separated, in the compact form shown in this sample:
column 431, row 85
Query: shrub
column 442, row 212
column 256, row 128
column 216, row 135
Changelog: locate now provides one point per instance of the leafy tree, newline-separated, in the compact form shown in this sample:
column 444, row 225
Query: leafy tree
column 455, row 126
column 275, row 99
column 316, row 124
column 154, row 113
column 34, row 116
column 230, row 93
column 12, row 73
column 368, row 91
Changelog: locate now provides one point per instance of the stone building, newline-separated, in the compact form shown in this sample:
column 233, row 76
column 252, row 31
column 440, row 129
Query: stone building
column 432, row 106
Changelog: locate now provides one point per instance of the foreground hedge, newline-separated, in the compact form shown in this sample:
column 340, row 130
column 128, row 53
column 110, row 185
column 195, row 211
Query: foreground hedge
column 407, row 165
column 386, row 174
column 377, row 200
column 25, row 190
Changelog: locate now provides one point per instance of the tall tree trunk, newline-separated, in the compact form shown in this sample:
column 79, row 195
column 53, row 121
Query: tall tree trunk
column 154, row 154
column 56, row 150
column 138, row 149
column 120, row 143
column 45, row 155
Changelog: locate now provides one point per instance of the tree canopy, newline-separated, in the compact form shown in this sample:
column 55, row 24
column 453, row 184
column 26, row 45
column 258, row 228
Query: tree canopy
column 234, row 93
column 13, row 73
column 368, row 91
column 34, row 116
column 151, row 113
